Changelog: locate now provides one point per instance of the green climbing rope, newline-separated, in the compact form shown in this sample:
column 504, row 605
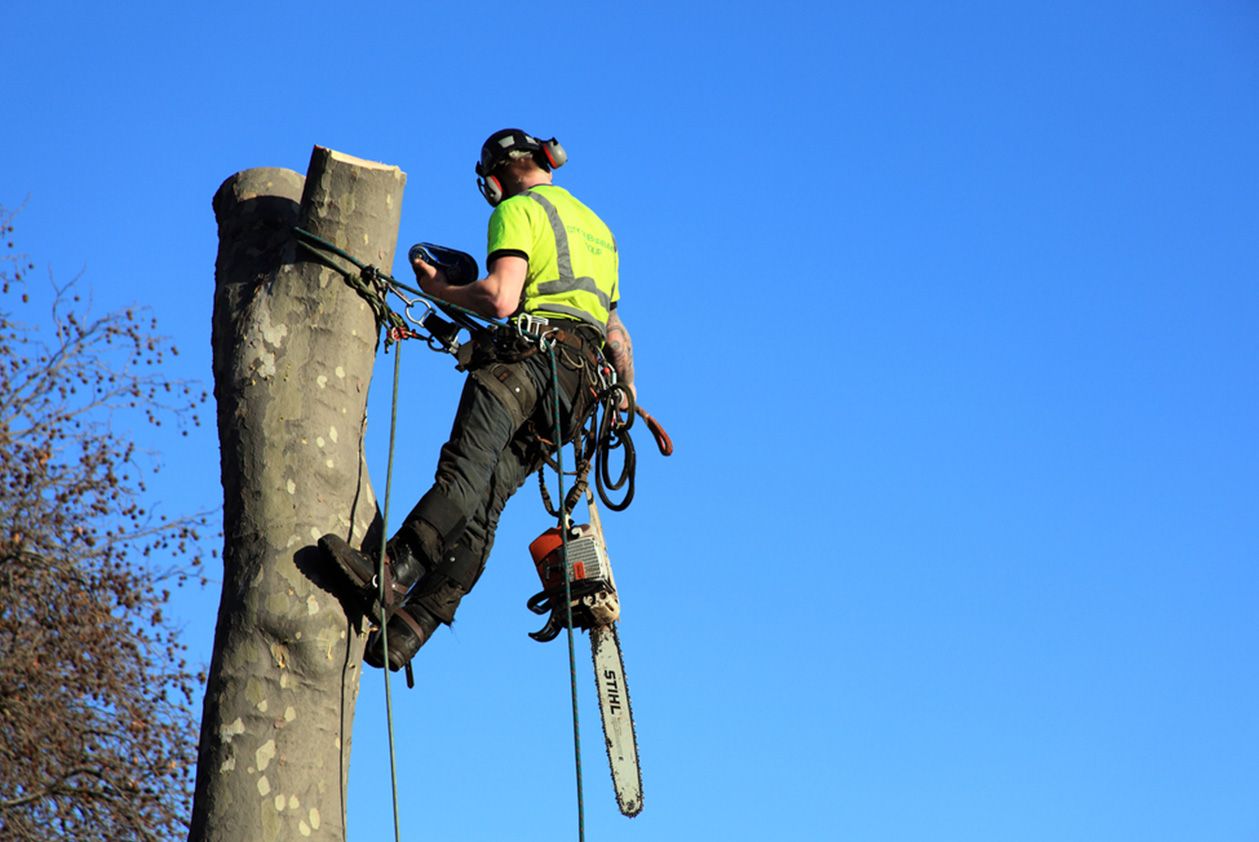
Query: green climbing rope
column 380, row 578
column 374, row 285
column 568, row 592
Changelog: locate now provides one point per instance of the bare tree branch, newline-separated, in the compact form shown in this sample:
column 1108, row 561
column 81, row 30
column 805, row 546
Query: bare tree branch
column 96, row 736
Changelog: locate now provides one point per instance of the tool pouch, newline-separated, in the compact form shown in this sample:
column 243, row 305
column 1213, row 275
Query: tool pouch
column 512, row 386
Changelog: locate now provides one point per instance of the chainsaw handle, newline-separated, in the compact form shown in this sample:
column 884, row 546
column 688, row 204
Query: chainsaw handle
column 662, row 438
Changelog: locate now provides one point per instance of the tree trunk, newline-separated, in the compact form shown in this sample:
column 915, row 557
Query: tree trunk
column 293, row 353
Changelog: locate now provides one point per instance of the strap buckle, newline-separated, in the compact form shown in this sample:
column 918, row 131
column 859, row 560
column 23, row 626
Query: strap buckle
column 530, row 326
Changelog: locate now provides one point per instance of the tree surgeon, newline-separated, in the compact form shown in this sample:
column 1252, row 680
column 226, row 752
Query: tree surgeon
column 552, row 262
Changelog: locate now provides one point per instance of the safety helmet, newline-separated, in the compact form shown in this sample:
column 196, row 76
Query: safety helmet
column 497, row 149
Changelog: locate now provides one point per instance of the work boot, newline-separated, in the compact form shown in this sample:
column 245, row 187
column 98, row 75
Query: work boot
column 409, row 628
column 402, row 569
column 432, row 602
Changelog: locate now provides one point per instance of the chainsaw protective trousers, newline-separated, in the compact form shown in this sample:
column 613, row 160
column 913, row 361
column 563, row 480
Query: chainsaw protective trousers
column 490, row 453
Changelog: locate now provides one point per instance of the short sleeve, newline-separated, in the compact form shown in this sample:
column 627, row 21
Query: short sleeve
column 510, row 229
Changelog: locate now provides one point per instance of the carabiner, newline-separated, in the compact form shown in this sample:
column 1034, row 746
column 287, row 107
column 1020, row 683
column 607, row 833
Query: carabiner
column 428, row 311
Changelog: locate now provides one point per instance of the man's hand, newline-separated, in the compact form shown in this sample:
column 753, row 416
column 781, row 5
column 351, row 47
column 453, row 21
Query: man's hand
column 624, row 407
column 427, row 274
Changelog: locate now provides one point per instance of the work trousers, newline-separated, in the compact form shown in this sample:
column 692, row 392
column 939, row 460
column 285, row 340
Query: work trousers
column 492, row 450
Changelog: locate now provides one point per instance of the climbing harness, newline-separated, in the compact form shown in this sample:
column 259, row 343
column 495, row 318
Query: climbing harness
column 597, row 432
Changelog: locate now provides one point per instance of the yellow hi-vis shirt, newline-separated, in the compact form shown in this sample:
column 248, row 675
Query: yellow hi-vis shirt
column 573, row 264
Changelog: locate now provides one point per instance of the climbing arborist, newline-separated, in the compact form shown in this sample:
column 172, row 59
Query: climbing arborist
column 552, row 264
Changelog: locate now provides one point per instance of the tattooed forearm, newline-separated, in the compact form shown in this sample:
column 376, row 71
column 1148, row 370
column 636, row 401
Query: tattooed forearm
column 620, row 349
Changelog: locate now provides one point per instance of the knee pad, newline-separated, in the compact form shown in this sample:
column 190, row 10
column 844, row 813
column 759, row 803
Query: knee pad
column 438, row 511
column 443, row 588
column 461, row 566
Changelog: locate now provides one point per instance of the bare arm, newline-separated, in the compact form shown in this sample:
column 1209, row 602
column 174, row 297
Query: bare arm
column 497, row 295
column 620, row 349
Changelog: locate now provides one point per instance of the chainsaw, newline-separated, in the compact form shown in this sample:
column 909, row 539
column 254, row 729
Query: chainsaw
column 595, row 608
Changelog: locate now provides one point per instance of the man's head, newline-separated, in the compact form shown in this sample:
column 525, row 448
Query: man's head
column 512, row 161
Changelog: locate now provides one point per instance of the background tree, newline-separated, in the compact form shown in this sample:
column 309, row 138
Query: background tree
column 96, row 735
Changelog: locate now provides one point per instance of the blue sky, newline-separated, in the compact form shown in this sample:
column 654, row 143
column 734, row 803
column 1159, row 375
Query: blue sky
column 950, row 309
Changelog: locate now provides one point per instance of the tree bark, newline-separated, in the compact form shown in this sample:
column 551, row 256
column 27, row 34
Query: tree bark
column 293, row 354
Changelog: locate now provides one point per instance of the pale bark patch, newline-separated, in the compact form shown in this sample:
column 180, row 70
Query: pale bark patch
column 264, row 755
column 231, row 730
column 266, row 365
column 272, row 334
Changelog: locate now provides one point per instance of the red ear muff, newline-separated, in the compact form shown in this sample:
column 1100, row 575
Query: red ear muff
column 554, row 153
column 491, row 188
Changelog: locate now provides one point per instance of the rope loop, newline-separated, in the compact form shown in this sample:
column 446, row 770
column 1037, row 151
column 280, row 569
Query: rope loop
column 375, row 286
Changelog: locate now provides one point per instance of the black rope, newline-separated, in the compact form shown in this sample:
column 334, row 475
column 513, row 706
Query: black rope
column 595, row 439
column 614, row 435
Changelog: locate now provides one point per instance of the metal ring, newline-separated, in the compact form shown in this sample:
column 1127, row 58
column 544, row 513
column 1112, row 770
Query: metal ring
column 428, row 310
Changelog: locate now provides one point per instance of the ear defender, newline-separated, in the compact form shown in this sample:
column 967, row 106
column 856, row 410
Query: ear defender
column 554, row 153
column 491, row 188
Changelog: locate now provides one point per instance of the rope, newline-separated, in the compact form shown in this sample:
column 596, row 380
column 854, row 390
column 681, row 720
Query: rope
column 374, row 285
column 594, row 439
column 568, row 593
column 380, row 578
